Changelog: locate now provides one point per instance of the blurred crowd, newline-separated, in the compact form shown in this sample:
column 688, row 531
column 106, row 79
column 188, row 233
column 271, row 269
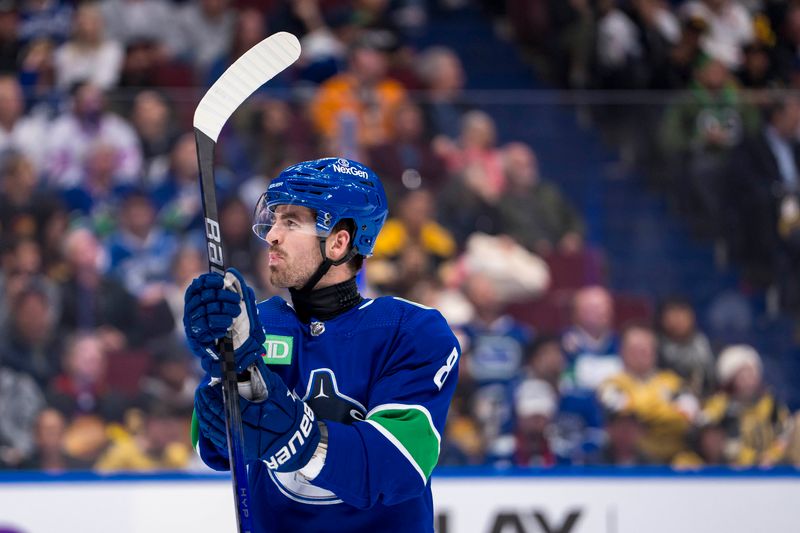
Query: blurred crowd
column 101, row 230
column 717, row 129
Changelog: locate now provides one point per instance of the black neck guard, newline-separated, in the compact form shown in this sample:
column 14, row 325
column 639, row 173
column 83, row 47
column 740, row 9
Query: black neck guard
column 327, row 303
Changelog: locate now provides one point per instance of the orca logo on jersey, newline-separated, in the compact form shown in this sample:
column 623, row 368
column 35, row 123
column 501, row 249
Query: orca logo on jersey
column 289, row 449
column 324, row 397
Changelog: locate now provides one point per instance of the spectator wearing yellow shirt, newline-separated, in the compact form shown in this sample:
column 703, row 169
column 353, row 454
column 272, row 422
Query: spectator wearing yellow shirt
column 707, row 447
column 411, row 246
column 656, row 397
column 757, row 426
column 361, row 98
column 153, row 440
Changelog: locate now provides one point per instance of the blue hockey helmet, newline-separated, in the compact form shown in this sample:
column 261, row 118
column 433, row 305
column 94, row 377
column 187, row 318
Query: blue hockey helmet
column 336, row 189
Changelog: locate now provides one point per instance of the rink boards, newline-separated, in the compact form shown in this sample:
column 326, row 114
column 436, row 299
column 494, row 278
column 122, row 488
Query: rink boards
column 474, row 500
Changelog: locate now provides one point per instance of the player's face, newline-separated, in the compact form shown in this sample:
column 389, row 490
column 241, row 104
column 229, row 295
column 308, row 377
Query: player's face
column 294, row 250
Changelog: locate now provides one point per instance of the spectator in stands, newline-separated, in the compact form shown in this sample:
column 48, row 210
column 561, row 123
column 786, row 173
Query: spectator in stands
column 470, row 199
column 707, row 447
column 763, row 194
column 26, row 208
column 325, row 36
column 354, row 108
column 88, row 56
column 408, row 162
column 494, row 346
column 146, row 66
column 535, row 405
column 9, row 38
column 237, row 234
column 698, row 135
column 49, row 454
column 577, row 424
column 411, row 246
column 31, row 343
column 23, row 269
column 758, row 70
column 757, row 425
column 205, row 29
column 278, row 136
column 516, row 274
column 658, row 398
column 476, row 147
column 132, row 21
column 21, row 399
column 37, row 75
column 534, row 212
column 590, row 343
column 787, row 50
column 569, row 39
column 86, row 437
column 462, row 442
column 97, row 197
column 140, row 252
column 20, row 133
column 45, row 20
column 178, row 197
column 73, row 134
column 620, row 55
column 171, row 383
column 660, row 30
column 676, row 72
column 624, row 432
column 730, row 28
column 684, row 349
column 151, row 118
column 249, row 30
column 151, row 440
column 188, row 263
column 792, row 455
column 443, row 78
column 82, row 387
column 91, row 301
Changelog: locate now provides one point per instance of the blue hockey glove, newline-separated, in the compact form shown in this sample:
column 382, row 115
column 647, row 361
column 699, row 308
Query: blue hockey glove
column 212, row 305
column 280, row 430
column 209, row 411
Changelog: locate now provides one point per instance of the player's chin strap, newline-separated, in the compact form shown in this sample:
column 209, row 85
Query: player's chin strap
column 323, row 268
column 324, row 304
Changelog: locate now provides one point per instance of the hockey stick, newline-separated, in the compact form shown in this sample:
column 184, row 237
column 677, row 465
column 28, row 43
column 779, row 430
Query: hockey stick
column 256, row 67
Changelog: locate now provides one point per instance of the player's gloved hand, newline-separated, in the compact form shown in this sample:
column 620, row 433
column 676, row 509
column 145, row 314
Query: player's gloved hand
column 212, row 305
column 209, row 411
column 279, row 428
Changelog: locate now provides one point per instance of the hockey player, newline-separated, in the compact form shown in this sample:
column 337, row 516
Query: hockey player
column 347, row 396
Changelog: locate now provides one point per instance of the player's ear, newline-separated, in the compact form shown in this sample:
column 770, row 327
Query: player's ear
column 338, row 244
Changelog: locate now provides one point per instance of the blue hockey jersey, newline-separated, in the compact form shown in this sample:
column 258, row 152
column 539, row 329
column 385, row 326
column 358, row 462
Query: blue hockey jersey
column 381, row 376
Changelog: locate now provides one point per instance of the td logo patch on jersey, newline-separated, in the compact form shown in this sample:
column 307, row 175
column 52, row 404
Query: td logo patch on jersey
column 278, row 350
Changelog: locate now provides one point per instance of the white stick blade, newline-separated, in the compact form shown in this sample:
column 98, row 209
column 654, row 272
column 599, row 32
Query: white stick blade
column 257, row 66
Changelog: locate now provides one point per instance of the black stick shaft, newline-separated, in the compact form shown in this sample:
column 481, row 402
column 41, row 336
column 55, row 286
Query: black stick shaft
column 216, row 263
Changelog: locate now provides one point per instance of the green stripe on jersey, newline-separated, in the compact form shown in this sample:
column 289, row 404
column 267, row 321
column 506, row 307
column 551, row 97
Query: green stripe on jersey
column 412, row 432
column 195, row 430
